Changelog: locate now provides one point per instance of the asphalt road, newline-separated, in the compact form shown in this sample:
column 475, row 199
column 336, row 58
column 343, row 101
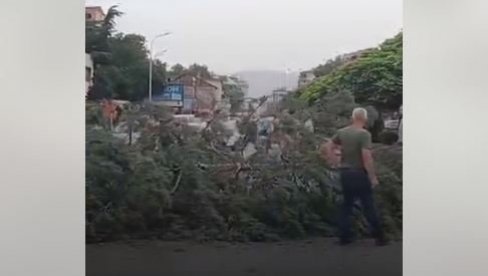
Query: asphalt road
column 311, row 257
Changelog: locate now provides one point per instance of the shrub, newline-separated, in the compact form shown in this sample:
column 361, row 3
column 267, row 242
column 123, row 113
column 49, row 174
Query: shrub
column 388, row 137
column 178, row 185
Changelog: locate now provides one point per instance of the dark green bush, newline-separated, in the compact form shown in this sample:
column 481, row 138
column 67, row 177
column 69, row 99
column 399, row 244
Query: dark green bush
column 181, row 188
column 388, row 137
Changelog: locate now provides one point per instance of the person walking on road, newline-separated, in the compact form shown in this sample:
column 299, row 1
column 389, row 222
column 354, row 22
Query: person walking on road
column 357, row 174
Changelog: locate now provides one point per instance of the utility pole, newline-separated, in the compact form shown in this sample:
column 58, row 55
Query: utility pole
column 151, row 62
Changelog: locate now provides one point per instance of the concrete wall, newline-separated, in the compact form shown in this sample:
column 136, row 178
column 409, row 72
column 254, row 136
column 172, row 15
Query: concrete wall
column 89, row 71
column 205, row 98
column 219, row 92
column 305, row 79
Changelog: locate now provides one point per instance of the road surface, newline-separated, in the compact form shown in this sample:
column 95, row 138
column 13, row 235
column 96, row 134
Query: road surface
column 311, row 257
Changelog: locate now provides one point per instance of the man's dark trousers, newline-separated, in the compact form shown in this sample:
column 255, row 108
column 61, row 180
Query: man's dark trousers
column 356, row 185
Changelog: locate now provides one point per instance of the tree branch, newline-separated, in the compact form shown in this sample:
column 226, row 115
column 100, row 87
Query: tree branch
column 177, row 182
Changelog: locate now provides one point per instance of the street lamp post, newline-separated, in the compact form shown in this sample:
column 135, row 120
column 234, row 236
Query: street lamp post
column 287, row 71
column 151, row 62
column 160, row 53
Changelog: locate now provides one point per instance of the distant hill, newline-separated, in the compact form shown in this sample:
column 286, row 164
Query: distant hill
column 263, row 82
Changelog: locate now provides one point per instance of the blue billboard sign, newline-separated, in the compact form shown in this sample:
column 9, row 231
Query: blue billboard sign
column 170, row 93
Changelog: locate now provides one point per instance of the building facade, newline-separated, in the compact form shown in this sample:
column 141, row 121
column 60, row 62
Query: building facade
column 201, row 96
column 219, row 92
column 305, row 78
column 89, row 70
column 94, row 14
column 279, row 94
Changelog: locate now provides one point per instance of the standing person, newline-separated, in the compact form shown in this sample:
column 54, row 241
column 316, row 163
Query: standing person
column 358, row 177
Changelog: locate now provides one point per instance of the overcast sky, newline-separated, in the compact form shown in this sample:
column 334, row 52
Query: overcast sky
column 235, row 35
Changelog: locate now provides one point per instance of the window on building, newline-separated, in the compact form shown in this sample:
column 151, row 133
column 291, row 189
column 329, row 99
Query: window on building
column 87, row 74
column 88, row 16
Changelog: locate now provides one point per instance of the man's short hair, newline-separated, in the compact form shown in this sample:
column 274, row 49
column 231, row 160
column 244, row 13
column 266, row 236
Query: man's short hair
column 360, row 113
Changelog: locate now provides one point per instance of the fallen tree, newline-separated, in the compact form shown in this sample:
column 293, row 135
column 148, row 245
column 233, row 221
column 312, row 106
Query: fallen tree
column 178, row 183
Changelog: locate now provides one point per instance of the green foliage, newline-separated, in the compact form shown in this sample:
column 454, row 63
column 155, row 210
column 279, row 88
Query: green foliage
column 93, row 114
column 389, row 193
column 329, row 66
column 98, row 33
column 121, row 61
column 195, row 69
column 130, row 66
column 235, row 95
column 199, row 70
column 125, row 75
column 176, row 70
column 388, row 137
column 178, row 184
column 374, row 78
column 236, row 99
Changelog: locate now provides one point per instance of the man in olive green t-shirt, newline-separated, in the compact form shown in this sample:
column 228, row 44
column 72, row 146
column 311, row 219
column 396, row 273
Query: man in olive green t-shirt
column 357, row 174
